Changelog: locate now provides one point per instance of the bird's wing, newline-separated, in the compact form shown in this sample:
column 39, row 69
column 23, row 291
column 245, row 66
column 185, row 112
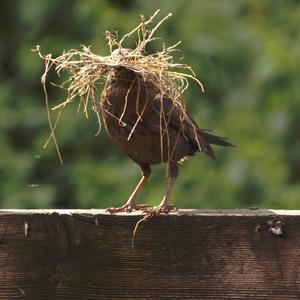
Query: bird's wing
column 174, row 116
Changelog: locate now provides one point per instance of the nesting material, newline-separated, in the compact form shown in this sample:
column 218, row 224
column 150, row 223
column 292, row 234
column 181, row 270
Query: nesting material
column 86, row 69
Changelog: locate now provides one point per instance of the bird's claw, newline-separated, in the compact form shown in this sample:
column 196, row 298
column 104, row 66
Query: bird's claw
column 151, row 211
column 163, row 209
column 128, row 208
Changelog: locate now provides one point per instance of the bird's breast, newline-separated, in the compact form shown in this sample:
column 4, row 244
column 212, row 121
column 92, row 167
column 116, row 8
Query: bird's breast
column 134, row 122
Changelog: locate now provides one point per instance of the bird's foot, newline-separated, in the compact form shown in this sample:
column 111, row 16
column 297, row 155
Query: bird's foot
column 128, row 207
column 163, row 209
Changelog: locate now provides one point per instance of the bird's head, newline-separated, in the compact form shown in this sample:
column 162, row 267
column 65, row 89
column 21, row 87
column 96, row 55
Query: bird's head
column 122, row 52
column 120, row 59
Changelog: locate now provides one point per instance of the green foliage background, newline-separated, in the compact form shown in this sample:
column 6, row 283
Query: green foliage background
column 246, row 52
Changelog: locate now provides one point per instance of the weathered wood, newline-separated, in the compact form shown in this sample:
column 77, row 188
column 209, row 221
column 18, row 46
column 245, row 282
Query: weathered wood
column 87, row 254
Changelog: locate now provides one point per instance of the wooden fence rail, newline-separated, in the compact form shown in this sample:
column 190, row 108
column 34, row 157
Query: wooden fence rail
column 188, row 254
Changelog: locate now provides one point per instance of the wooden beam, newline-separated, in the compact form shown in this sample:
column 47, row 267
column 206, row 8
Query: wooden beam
column 188, row 254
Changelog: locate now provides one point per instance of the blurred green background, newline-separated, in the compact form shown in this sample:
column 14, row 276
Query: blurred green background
column 247, row 54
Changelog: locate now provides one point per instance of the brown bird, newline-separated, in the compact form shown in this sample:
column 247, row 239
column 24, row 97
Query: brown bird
column 150, row 128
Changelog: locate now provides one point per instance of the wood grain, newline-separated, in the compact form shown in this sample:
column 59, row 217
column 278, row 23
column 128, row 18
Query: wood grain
column 87, row 254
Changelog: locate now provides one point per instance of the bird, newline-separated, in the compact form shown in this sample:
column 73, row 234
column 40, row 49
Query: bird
column 150, row 128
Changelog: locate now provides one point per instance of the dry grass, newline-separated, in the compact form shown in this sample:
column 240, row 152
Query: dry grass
column 86, row 69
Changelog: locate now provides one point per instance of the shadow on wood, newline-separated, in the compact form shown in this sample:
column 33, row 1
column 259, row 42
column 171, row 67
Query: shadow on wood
column 87, row 254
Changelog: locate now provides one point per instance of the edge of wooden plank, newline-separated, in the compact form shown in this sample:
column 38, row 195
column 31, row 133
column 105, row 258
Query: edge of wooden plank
column 180, row 212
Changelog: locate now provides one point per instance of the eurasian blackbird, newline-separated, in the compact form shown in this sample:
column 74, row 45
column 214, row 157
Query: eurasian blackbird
column 150, row 128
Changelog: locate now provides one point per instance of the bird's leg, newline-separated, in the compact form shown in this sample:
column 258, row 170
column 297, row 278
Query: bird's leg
column 131, row 202
column 165, row 206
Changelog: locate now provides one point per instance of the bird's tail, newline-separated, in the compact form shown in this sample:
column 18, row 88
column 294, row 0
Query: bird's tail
column 214, row 140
